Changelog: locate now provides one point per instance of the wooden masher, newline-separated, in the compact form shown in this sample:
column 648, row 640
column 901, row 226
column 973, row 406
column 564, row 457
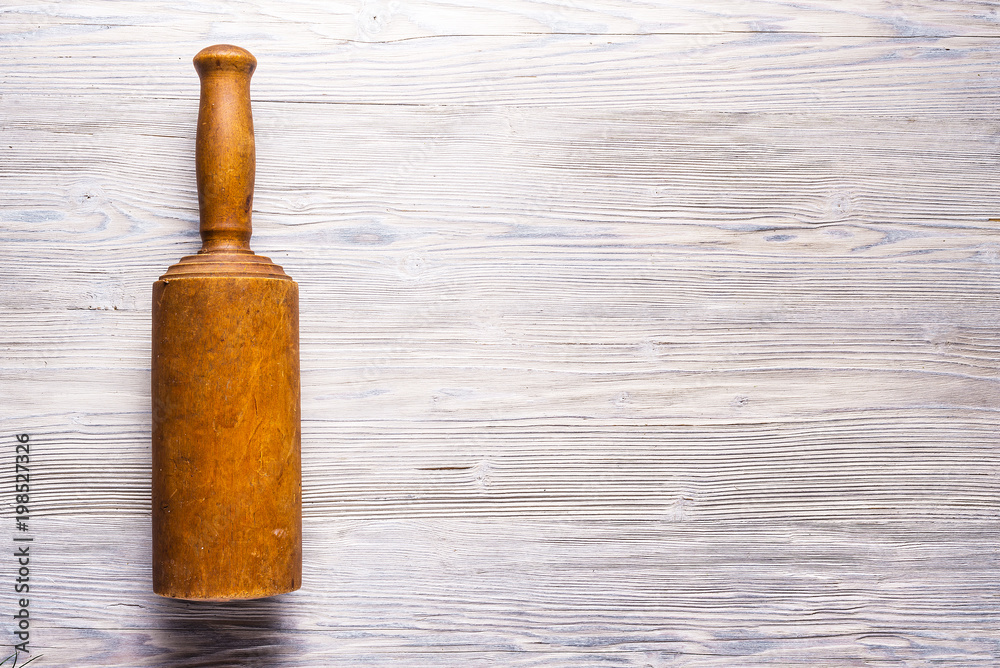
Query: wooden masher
column 227, row 491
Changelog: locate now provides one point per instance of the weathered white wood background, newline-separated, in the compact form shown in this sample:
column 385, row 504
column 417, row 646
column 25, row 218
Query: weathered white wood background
column 634, row 334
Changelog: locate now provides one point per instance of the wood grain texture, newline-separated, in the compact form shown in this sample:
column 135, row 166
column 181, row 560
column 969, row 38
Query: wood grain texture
column 632, row 334
column 753, row 72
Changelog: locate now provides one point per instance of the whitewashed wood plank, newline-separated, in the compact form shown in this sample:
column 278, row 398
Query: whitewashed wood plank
column 675, row 345
column 935, row 463
column 654, row 198
column 553, row 593
column 353, row 162
column 318, row 23
column 731, row 73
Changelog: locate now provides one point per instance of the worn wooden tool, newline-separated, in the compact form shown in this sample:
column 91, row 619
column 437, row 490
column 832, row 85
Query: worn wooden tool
column 225, row 378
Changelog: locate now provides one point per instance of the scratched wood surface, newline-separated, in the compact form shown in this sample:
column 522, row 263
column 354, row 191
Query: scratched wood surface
column 633, row 334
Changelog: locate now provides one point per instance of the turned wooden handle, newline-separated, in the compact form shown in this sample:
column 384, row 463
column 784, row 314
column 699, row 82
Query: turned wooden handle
column 224, row 150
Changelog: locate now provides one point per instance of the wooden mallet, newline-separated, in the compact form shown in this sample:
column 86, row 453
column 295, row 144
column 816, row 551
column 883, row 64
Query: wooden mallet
column 227, row 490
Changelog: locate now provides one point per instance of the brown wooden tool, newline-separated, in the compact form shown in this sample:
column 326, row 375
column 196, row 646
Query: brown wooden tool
column 227, row 519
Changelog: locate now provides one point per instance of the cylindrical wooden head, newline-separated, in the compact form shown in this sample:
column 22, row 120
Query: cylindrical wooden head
column 225, row 379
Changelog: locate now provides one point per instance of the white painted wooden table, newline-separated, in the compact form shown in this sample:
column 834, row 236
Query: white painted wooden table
column 642, row 334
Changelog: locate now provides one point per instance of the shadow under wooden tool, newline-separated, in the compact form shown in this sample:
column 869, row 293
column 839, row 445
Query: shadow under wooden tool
column 236, row 633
